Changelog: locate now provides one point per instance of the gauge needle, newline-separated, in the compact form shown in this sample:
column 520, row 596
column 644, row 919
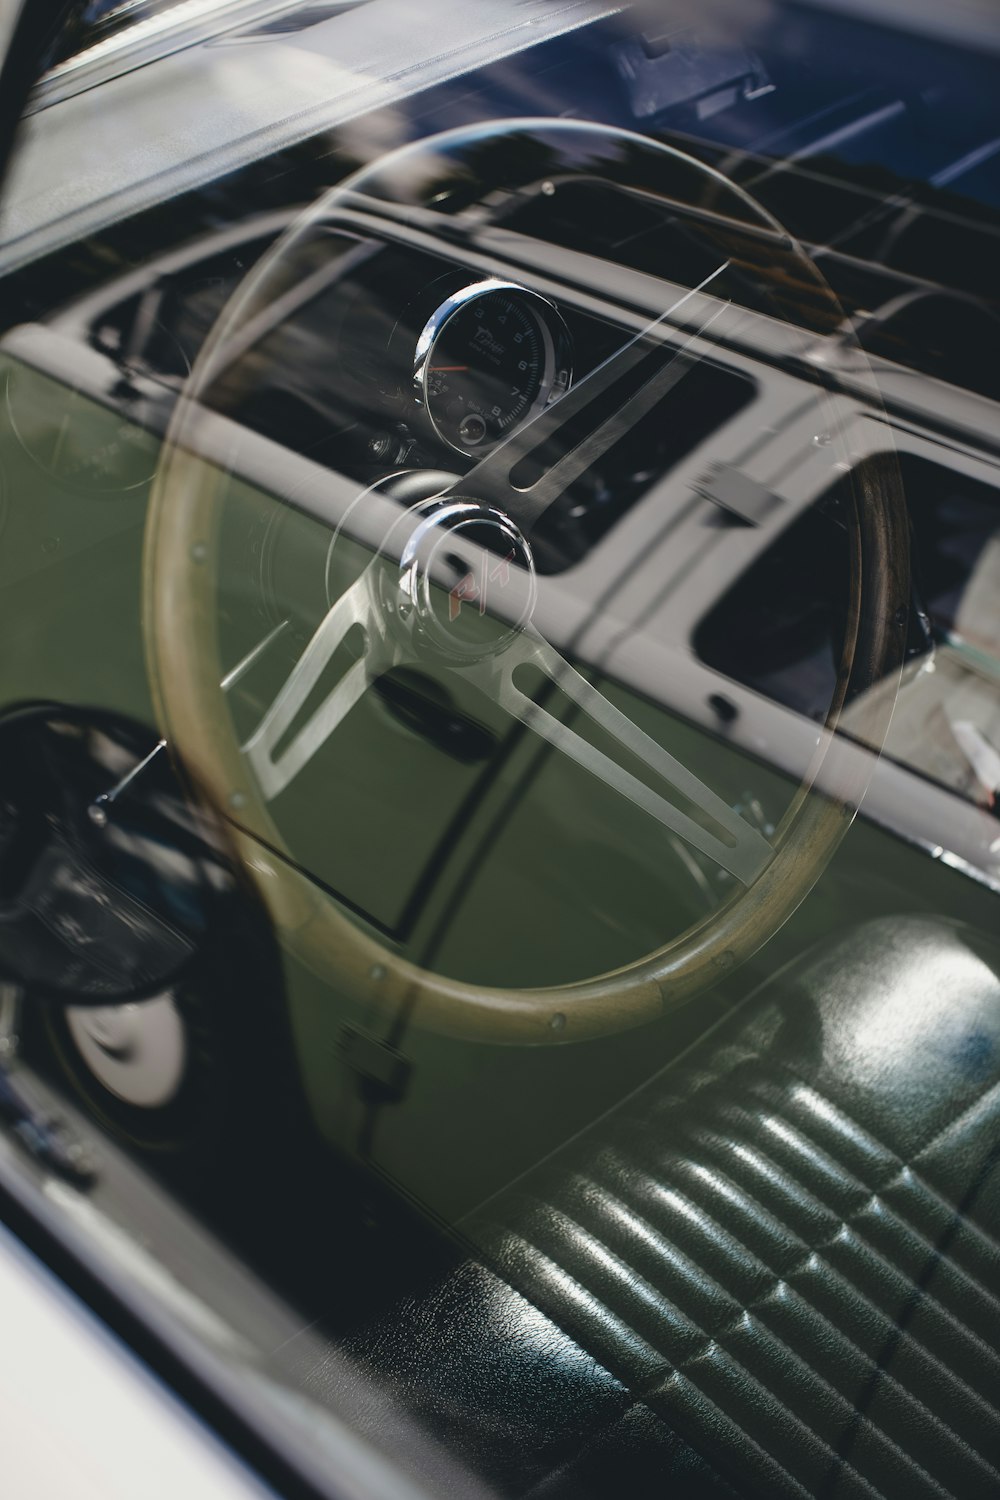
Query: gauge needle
column 447, row 369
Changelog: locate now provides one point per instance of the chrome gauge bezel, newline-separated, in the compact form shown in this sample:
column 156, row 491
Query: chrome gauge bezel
column 557, row 349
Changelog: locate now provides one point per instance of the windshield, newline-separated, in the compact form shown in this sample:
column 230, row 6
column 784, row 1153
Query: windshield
column 500, row 718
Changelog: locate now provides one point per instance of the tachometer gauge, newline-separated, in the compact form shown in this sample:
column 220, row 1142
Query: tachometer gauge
column 489, row 358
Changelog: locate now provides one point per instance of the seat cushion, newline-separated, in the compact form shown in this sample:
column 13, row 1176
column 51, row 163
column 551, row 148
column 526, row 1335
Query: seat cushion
column 785, row 1245
column 772, row 1271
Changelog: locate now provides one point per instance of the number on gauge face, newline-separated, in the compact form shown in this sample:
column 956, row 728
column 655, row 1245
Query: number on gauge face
column 489, row 366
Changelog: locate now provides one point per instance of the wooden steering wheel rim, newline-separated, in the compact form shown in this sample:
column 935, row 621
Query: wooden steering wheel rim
column 179, row 620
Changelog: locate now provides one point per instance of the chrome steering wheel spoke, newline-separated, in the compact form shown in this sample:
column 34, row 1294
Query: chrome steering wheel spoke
column 711, row 826
column 280, row 747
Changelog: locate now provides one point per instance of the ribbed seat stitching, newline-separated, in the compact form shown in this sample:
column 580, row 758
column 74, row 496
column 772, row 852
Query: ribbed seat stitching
column 902, row 1392
column 641, row 1227
column 777, row 1170
column 808, row 1258
column 637, row 1287
column 801, row 1148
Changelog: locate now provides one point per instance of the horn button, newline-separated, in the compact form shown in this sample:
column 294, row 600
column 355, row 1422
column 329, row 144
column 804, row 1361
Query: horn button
column 466, row 580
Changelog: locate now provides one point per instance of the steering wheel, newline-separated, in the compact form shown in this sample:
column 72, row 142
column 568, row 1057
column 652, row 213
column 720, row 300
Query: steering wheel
column 452, row 577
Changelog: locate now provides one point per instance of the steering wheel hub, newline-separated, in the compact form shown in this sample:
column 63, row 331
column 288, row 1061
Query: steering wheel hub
column 466, row 580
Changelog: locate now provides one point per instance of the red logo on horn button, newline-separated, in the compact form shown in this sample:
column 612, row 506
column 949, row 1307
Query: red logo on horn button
column 471, row 590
